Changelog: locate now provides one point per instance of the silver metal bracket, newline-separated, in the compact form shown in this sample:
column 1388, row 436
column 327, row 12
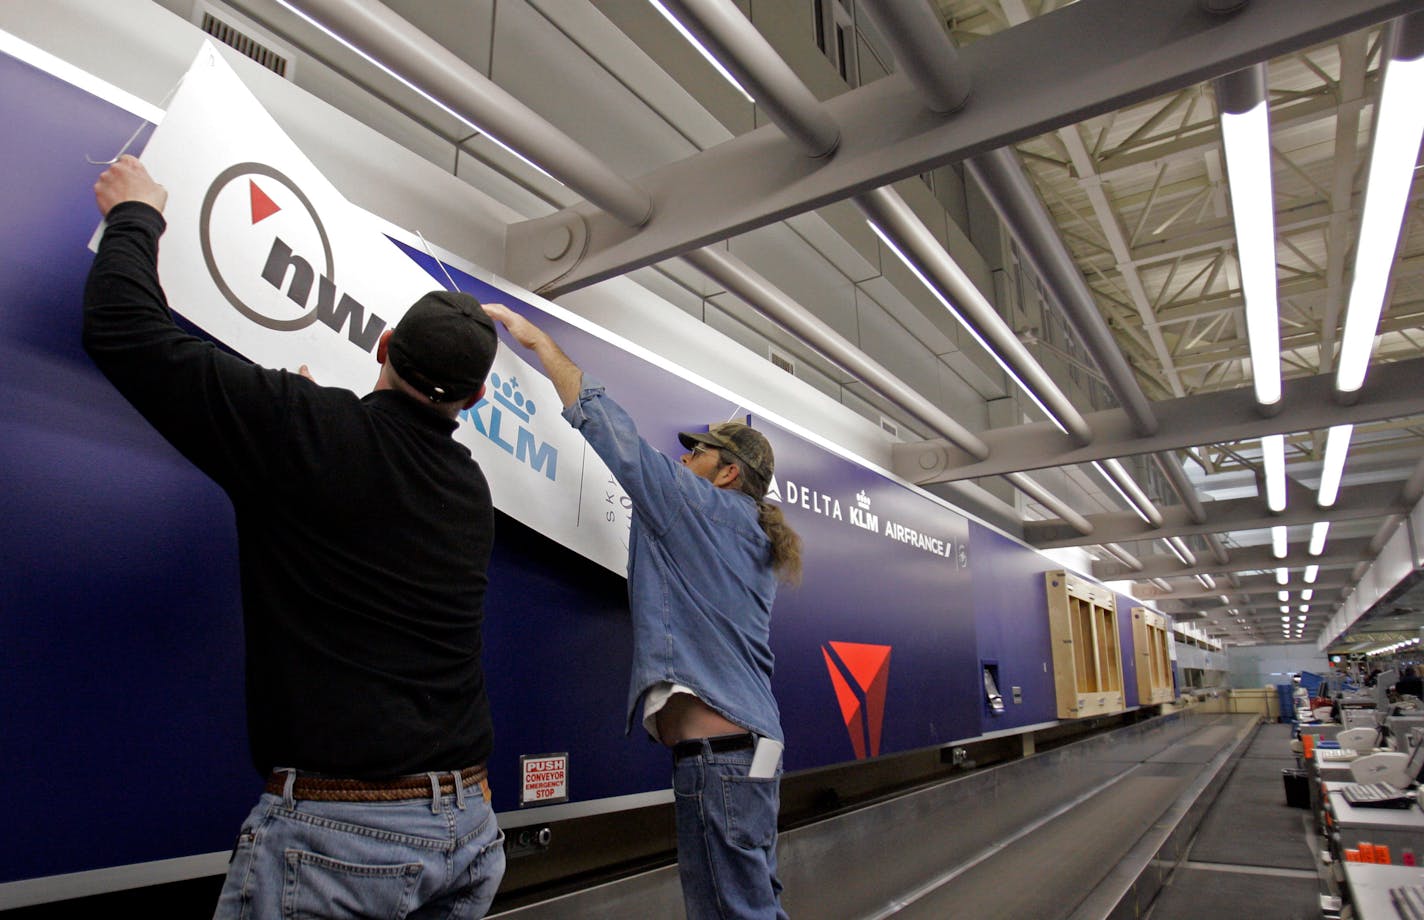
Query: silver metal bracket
column 539, row 252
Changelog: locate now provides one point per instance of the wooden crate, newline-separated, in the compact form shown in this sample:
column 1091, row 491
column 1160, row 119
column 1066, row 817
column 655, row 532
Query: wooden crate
column 1154, row 661
column 1087, row 658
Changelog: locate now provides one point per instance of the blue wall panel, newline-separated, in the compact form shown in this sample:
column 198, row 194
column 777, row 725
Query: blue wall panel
column 121, row 714
column 1011, row 613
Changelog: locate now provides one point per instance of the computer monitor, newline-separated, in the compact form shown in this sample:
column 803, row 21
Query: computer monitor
column 1383, row 682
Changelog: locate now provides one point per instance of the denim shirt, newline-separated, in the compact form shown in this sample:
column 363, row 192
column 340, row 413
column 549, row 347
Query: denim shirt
column 700, row 581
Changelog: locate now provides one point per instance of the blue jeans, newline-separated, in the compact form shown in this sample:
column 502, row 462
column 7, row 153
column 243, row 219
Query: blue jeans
column 726, row 837
column 439, row 856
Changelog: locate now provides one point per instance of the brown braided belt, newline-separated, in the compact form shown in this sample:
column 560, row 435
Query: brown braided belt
column 396, row 789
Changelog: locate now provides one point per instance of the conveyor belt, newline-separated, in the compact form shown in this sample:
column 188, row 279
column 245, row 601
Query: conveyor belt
column 1251, row 849
column 1066, row 833
column 1046, row 873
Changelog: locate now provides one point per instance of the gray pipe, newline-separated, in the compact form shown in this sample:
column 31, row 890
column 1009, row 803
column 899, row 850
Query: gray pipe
column 736, row 43
column 415, row 57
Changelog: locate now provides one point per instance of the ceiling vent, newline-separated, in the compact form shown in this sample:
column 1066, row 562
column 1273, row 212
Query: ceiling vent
column 782, row 360
column 243, row 36
column 889, row 427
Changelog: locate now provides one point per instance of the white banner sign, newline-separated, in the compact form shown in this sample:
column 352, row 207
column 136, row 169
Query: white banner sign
column 266, row 256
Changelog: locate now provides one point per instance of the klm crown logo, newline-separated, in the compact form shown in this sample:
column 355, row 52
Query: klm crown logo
column 507, row 394
column 504, row 408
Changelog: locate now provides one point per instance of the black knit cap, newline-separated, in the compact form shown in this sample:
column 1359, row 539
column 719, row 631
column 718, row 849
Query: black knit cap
column 444, row 346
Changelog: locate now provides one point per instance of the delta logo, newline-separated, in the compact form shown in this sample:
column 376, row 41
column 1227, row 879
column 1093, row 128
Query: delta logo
column 859, row 674
column 275, row 264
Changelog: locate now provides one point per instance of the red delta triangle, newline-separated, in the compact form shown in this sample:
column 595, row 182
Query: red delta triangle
column 850, row 706
column 870, row 666
column 262, row 206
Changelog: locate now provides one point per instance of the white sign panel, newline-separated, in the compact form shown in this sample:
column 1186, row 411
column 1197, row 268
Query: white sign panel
column 266, row 256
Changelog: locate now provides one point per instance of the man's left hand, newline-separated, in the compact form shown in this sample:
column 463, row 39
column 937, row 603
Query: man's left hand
column 127, row 180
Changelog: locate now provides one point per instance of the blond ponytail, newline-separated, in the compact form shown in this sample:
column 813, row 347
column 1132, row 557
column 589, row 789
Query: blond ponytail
column 785, row 543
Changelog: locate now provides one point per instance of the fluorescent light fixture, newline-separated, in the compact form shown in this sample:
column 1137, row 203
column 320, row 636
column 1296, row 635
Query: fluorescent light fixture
column 1282, row 595
column 692, row 40
column 1206, row 581
column 1180, row 550
column 56, row 67
column 1286, row 611
column 1273, row 457
column 285, row 4
column 1111, row 474
column 1246, row 142
column 992, row 352
column 1318, row 532
column 1337, row 445
column 1282, row 576
column 1278, row 542
column 1310, row 572
column 1304, row 608
column 1307, row 594
column 1399, row 124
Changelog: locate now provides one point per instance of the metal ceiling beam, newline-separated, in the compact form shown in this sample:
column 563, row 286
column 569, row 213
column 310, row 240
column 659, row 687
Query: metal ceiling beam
column 1203, row 136
column 740, row 279
column 899, row 223
column 939, row 76
column 416, row 58
column 1391, row 391
column 1263, row 588
column 920, row 43
column 743, row 50
column 1093, row 187
column 1342, row 554
column 1375, row 500
column 1342, row 188
column 1013, row 198
column 773, row 85
column 1097, row 56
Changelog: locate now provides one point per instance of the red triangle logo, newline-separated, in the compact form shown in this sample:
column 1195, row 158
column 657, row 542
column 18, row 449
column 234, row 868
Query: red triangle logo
column 869, row 667
column 262, row 206
column 850, row 706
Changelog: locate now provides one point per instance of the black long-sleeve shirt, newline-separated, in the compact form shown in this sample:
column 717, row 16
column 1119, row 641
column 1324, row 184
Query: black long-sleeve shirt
column 364, row 533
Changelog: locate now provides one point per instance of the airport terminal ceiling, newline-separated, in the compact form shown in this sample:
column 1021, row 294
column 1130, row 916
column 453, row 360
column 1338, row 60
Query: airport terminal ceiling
column 1004, row 230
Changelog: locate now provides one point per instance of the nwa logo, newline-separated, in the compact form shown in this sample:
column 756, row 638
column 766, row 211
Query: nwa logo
column 273, row 253
column 506, row 408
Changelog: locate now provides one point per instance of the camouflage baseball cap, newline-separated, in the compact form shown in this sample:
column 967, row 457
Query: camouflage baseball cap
column 749, row 446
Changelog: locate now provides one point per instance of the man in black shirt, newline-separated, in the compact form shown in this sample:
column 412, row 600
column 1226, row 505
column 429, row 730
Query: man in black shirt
column 364, row 533
column 1410, row 684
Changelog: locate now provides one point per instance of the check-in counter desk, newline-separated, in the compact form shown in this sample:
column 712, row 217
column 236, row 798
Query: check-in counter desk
column 1401, row 725
column 1348, row 826
column 1368, row 886
column 1320, row 771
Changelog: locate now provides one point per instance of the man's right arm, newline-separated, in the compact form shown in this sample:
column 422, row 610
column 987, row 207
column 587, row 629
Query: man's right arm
column 217, row 409
column 649, row 477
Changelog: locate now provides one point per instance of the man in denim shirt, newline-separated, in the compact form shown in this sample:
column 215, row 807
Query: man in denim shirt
column 705, row 554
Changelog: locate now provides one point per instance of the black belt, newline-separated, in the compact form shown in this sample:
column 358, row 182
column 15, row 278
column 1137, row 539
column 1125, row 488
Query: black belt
column 397, row 789
column 717, row 744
